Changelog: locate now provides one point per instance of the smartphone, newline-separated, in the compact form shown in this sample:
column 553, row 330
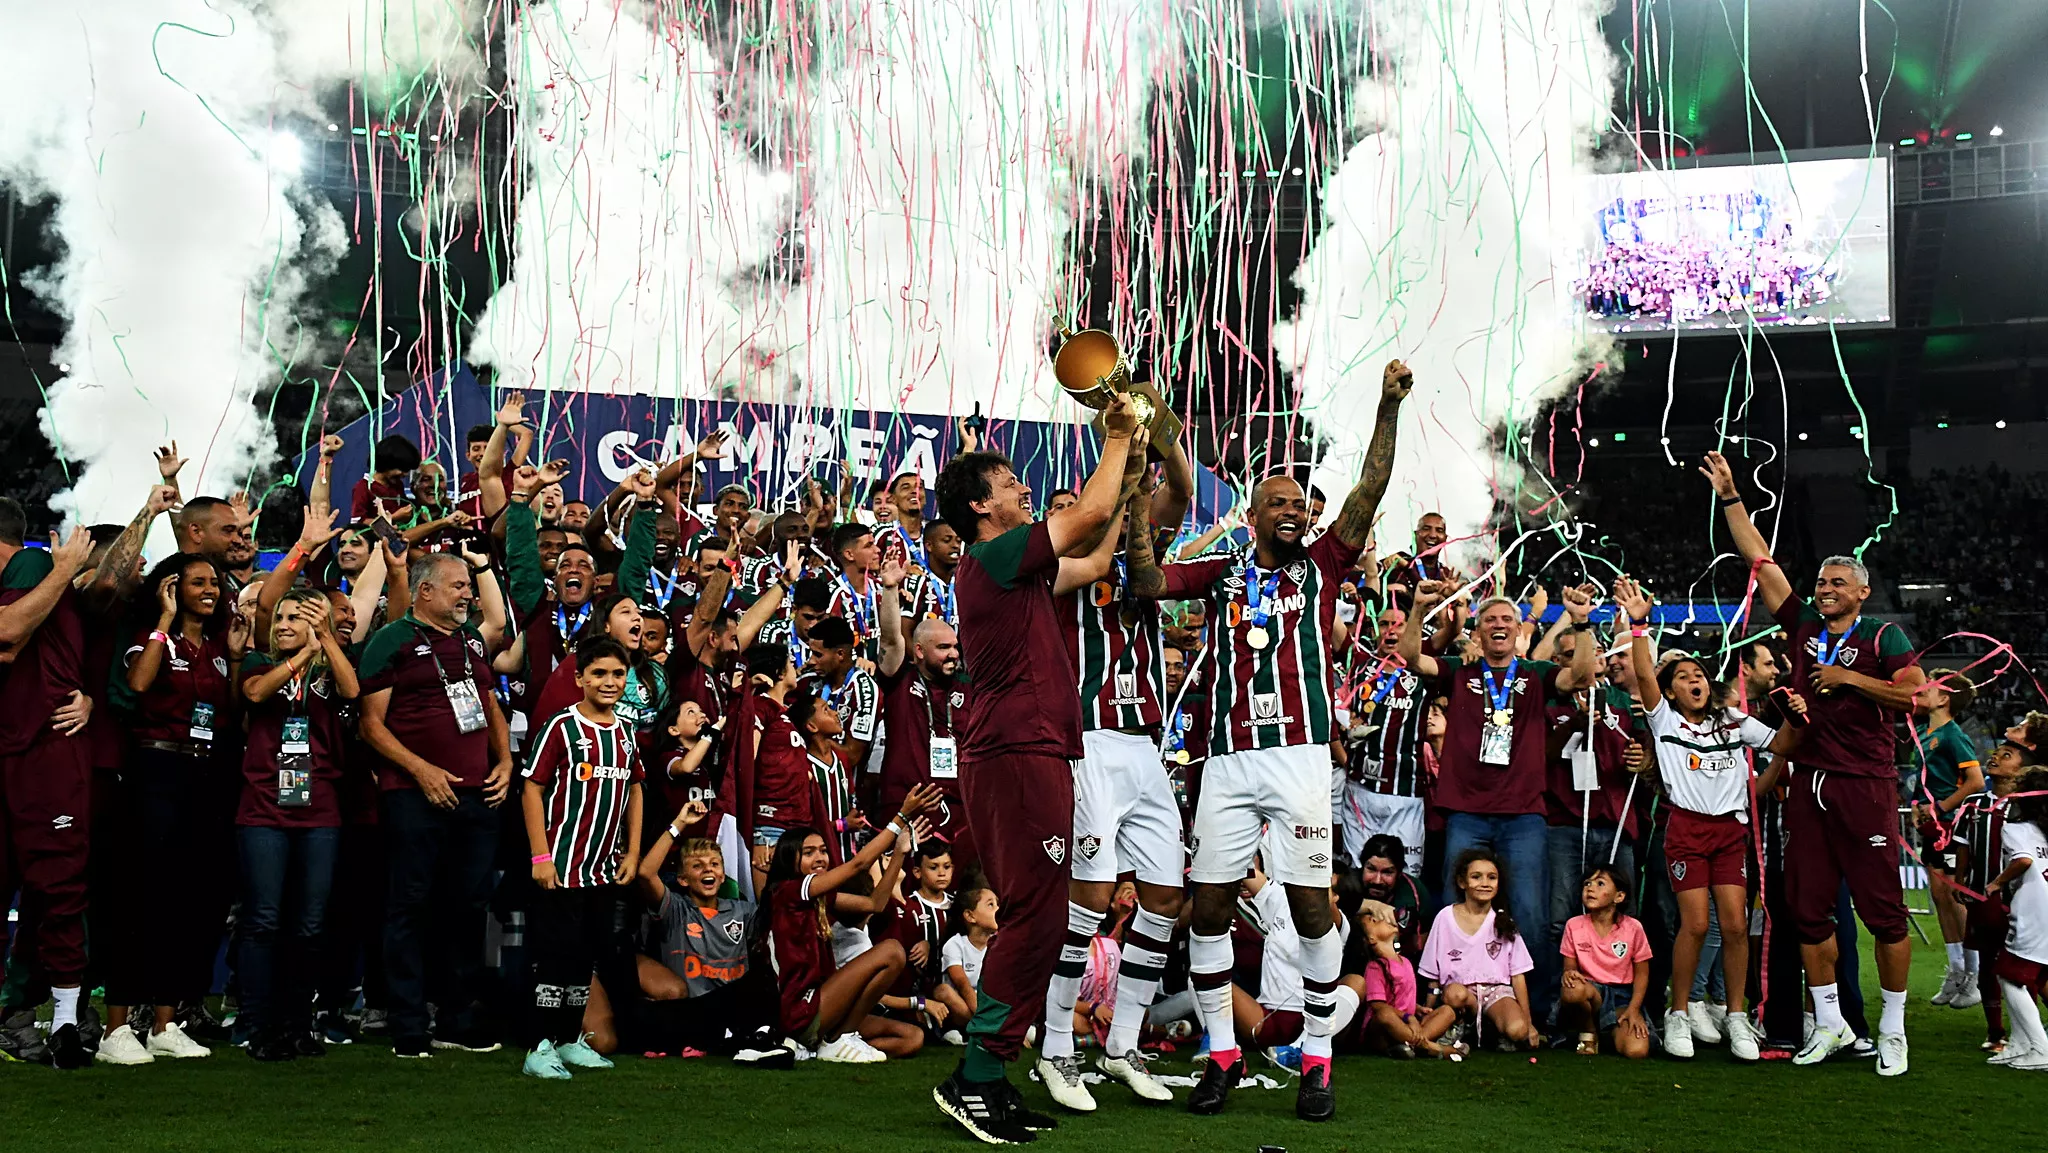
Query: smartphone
column 1782, row 697
column 381, row 527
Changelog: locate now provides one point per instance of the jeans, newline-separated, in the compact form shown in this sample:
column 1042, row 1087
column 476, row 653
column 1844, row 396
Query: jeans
column 1568, row 865
column 440, row 866
column 287, row 875
column 1522, row 844
column 1709, row 979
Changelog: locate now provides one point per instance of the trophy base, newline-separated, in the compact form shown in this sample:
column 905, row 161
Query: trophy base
column 1165, row 428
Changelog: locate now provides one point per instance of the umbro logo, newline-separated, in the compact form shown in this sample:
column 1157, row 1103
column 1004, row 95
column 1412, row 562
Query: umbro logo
column 1878, row 840
column 61, row 821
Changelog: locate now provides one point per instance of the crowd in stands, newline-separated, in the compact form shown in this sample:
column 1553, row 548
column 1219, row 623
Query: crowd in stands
column 737, row 746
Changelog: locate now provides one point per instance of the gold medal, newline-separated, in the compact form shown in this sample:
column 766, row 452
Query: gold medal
column 1180, row 756
column 1366, row 708
column 1503, row 718
column 1257, row 637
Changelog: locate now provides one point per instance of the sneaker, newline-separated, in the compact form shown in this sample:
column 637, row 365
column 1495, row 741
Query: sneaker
column 1951, row 981
column 983, row 1109
column 1213, row 1090
column 578, row 1054
column 1807, row 1024
column 1287, row 1057
column 1401, row 1051
column 335, row 1029
column 194, row 1019
column 272, row 1049
column 1678, row 1035
column 1822, row 1044
column 471, row 1040
column 1861, row 1047
column 1062, row 1077
column 1967, row 993
column 411, row 1049
column 768, row 1057
column 1201, row 1056
column 22, row 1040
column 1891, row 1054
column 1702, row 1023
column 954, row 1038
column 1132, row 1071
column 545, row 1063
column 67, row 1049
column 849, row 1049
column 376, row 1020
column 308, row 1044
column 1314, row 1100
column 2013, row 1051
column 1718, row 1013
column 2030, row 1061
column 121, row 1047
column 173, row 1042
column 1024, row 1114
column 1742, row 1038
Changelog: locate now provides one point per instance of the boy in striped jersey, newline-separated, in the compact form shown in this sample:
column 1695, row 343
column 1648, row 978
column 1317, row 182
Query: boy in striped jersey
column 582, row 804
column 1269, row 673
column 1126, row 818
column 1383, row 792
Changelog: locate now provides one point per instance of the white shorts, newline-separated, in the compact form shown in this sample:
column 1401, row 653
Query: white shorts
column 1365, row 814
column 1125, row 817
column 1243, row 793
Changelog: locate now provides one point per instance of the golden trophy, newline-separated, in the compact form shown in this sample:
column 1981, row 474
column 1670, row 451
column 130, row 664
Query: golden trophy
column 1090, row 365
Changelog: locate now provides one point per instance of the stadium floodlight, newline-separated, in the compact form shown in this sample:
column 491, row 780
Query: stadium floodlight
column 2000, row 424
column 284, row 153
column 1997, row 130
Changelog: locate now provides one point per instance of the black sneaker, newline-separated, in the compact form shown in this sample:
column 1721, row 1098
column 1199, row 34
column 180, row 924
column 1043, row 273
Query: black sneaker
column 1213, row 1090
column 67, row 1049
column 983, row 1109
column 22, row 1040
column 411, row 1048
column 272, row 1049
column 470, row 1040
column 308, row 1044
column 1314, row 1100
column 1024, row 1114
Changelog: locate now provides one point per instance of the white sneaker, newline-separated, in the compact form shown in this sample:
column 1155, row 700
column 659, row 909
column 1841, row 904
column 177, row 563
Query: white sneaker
column 1891, row 1054
column 1742, row 1039
column 1130, row 1069
column 121, row 1047
column 1678, row 1034
column 2013, row 1051
column 953, row 1037
column 1950, row 982
column 173, row 1042
column 1719, row 1013
column 849, row 1049
column 2031, row 1061
column 1967, row 993
column 1822, row 1044
column 1703, row 1028
column 1062, row 1077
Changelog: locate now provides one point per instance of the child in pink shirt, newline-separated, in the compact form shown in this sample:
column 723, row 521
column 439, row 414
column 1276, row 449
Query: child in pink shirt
column 1476, row 952
column 1393, row 1023
column 1606, row 968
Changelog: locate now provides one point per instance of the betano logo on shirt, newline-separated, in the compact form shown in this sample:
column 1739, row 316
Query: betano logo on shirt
column 585, row 771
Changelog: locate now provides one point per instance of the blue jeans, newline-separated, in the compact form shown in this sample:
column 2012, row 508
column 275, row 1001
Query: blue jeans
column 1569, row 860
column 440, row 862
column 1709, row 979
column 1522, row 844
column 286, row 877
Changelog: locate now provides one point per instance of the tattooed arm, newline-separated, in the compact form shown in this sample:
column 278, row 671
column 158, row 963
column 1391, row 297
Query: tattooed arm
column 1354, row 520
column 119, row 569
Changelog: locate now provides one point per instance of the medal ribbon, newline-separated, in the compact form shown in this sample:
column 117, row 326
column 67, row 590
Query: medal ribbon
column 1502, row 695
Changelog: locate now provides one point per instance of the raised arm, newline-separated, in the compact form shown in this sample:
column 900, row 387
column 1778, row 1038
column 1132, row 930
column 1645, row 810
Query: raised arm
column 766, row 605
column 316, row 528
column 20, row 620
column 1585, row 666
column 889, row 617
column 490, row 471
column 1176, row 489
column 914, row 803
column 321, row 491
column 115, row 577
column 1141, row 561
column 1427, row 595
column 397, row 584
column 1078, row 528
column 1770, row 579
column 1631, row 599
column 1354, row 520
column 497, row 619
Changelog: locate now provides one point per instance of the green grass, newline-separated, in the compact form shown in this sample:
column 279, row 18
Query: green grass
column 362, row 1098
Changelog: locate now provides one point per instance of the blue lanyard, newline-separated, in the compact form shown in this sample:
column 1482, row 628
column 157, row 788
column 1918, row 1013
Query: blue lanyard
column 1177, row 731
column 1827, row 653
column 562, row 626
column 1502, row 695
column 825, row 691
column 914, row 549
column 862, row 607
column 797, row 649
column 662, row 595
column 1260, row 593
column 943, row 598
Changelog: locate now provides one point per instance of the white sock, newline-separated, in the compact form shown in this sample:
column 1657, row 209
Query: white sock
column 1347, row 1008
column 1893, row 1018
column 1322, row 962
column 1970, row 962
column 67, row 1008
column 2025, row 1017
column 1955, row 956
column 1146, row 942
column 1827, row 1007
column 1209, row 958
column 1065, row 988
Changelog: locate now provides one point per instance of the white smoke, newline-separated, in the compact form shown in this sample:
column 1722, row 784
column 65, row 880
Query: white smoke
column 1441, row 226
column 922, row 163
column 163, row 130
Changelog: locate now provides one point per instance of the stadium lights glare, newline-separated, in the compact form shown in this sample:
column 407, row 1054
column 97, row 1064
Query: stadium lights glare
column 1802, row 436
column 1997, row 130
column 1966, row 136
column 1908, row 142
column 2000, row 424
column 285, row 153
column 1592, row 442
column 1663, row 440
column 1941, row 424
column 63, row 368
column 334, row 128
column 1620, row 438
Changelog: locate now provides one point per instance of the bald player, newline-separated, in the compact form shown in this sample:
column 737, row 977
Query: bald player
column 1268, row 674
column 924, row 699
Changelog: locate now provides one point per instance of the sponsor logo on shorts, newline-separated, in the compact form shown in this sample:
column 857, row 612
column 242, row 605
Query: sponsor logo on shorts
column 1318, row 860
column 1086, row 846
column 1056, row 848
column 1879, row 840
column 1311, row 832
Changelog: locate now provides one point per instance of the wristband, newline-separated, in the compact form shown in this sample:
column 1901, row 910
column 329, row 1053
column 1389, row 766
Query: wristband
column 543, row 857
column 1730, row 501
column 894, row 829
column 1638, row 631
column 674, row 833
column 160, row 637
column 839, row 824
column 917, row 1003
column 1581, row 626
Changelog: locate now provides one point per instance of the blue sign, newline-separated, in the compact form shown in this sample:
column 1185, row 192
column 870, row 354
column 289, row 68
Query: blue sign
column 770, row 449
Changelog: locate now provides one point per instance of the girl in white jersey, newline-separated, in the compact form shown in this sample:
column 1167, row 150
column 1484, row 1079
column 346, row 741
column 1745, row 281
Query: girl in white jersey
column 1703, row 756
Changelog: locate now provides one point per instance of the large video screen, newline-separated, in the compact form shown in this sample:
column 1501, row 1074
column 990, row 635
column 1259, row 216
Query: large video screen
column 1787, row 243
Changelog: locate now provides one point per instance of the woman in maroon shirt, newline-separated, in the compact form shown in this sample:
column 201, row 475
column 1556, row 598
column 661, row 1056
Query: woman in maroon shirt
column 174, row 684
column 289, row 819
